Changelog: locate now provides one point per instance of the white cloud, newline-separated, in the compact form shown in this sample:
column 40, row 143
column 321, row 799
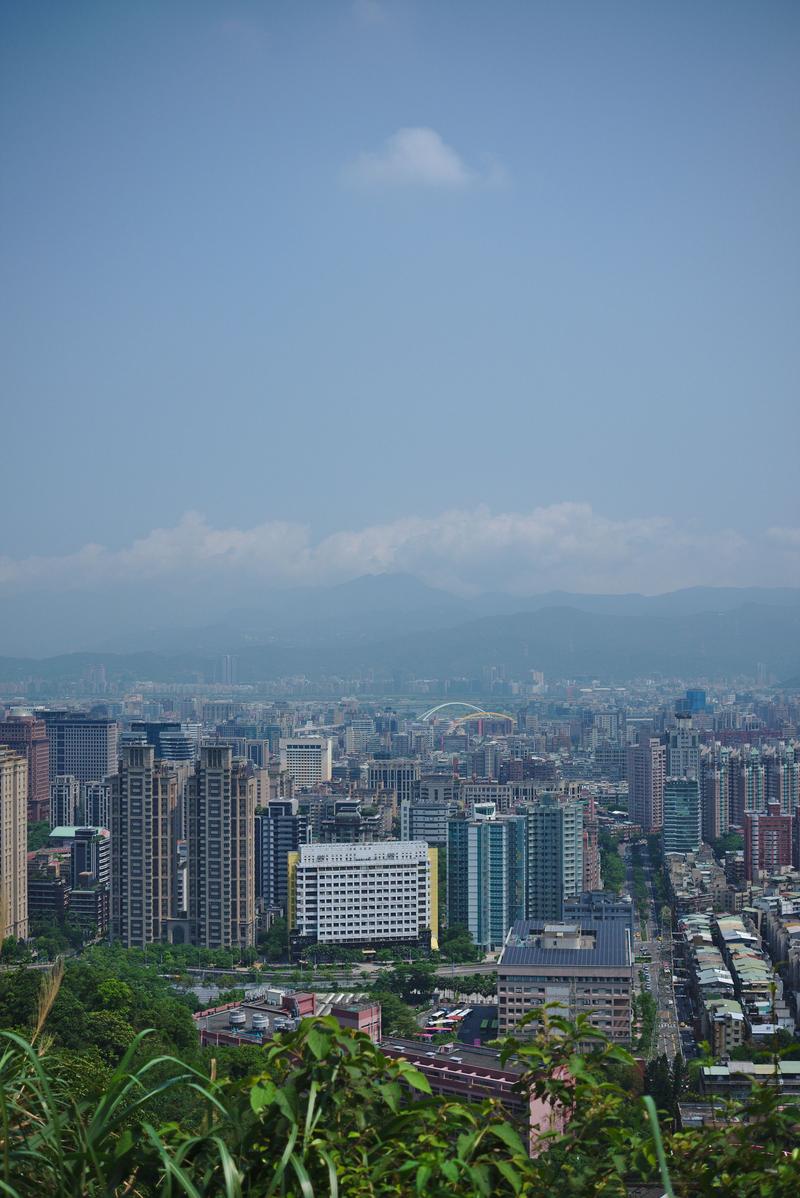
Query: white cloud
column 790, row 537
column 369, row 12
column 563, row 546
column 417, row 157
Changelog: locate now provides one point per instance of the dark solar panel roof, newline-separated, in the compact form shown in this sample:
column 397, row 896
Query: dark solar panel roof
column 610, row 945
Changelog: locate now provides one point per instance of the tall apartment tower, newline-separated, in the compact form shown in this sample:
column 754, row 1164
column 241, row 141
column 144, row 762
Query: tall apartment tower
column 767, row 841
column 748, row 785
column 646, row 772
column 783, row 776
column 554, row 855
column 144, row 808
column 682, row 828
column 715, row 798
column 683, row 749
column 82, row 745
column 486, row 876
column 309, row 759
column 27, row 736
column 96, row 804
column 65, row 796
column 13, row 844
column 221, row 808
column 280, row 830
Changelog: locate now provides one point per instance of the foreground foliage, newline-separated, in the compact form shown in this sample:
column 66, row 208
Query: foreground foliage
column 324, row 1112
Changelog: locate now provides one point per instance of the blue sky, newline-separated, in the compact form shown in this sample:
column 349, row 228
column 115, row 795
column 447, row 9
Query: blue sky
column 387, row 285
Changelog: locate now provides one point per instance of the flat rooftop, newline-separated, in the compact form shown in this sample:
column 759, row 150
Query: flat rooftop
column 465, row 1057
column 604, row 942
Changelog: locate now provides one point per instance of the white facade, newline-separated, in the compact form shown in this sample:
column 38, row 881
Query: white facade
column 309, row 759
column 351, row 893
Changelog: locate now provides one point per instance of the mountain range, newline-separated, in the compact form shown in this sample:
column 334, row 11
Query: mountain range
column 390, row 623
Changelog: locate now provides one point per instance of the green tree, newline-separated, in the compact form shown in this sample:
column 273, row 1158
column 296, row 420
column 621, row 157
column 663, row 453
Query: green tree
column 274, row 943
column 397, row 1018
column 414, row 984
column 114, row 995
column 612, row 867
column 110, row 1033
column 456, row 944
column 38, row 835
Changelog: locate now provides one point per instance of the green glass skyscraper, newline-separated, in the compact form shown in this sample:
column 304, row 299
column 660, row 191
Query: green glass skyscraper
column 486, row 876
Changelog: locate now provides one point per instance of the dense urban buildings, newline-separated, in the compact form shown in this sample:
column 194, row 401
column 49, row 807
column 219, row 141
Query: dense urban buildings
column 223, row 812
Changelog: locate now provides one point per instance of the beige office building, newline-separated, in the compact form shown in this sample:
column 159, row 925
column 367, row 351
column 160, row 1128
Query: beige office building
column 586, row 968
column 13, row 844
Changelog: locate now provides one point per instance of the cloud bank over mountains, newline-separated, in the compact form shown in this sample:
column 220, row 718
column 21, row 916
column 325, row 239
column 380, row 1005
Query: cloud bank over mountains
column 564, row 546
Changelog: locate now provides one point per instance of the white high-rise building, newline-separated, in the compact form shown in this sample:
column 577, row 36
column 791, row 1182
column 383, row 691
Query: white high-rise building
column 377, row 893
column 309, row 759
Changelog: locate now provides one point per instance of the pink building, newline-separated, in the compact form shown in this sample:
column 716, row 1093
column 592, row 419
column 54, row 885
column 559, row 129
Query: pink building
column 646, row 772
column 767, row 841
column 473, row 1074
column 27, row 736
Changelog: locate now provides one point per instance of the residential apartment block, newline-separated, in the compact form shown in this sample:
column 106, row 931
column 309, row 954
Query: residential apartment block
column 221, row 807
column 27, row 735
column 144, row 811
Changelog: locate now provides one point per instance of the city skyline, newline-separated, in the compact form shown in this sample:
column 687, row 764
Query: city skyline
column 400, row 597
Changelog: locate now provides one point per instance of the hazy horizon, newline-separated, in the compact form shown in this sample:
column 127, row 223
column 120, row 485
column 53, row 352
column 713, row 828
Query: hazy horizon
column 502, row 297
